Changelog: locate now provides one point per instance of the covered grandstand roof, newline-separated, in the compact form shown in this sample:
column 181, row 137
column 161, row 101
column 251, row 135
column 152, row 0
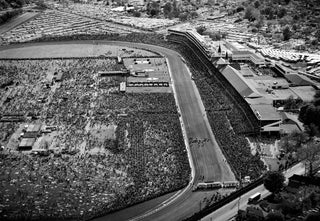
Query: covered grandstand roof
column 248, row 55
column 221, row 61
column 239, row 82
column 259, row 100
column 299, row 80
column 306, row 93
column 289, row 128
column 266, row 112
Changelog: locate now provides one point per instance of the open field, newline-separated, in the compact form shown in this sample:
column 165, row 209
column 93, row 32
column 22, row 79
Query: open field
column 103, row 150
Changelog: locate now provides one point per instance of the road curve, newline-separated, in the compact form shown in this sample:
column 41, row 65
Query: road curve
column 209, row 163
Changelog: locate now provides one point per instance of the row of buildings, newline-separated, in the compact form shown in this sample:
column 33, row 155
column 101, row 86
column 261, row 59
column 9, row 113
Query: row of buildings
column 264, row 85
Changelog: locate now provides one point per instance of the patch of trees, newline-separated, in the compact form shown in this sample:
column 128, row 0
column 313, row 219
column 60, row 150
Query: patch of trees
column 41, row 4
column 274, row 181
column 153, row 8
column 4, row 4
column 292, row 104
column 310, row 115
column 171, row 10
column 201, row 29
column 8, row 15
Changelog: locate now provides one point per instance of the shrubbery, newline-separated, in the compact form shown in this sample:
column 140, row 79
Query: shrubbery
column 8, row 15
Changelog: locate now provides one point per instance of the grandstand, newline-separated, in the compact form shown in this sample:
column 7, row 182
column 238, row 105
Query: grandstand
column 255, row 93
column 197, row 45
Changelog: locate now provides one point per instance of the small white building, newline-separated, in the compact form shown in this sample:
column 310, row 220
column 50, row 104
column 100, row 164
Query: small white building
column 123, row 87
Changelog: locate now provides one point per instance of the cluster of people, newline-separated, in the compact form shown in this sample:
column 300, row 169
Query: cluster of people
column 23, row 94
column 61, row 187
column 143, row 157
column 235, row 147
column 156, row 157
column 228, row 116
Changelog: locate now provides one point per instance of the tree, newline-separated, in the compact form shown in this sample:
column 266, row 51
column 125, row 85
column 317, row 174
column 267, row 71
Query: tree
column 3, row 4
column 286, row 33
column 291, row 207
column 282, row 12
column 175, row 9
column 275, row 216
column 167, row 8
column 248, row 13
column 201, row 29
column 153, row 8
column 292, row 104
column 215, row 36
column 268, row 11
column 274, row 181
column 310, row 153
column 41, row 4
column 183, row 16
column 257, row 4
column 309, row 115
column 136, row 13
column 240, row 9
column 251, row 14
column 292, row 142
column 193, row 14
column 259, row 23
column 317, row 35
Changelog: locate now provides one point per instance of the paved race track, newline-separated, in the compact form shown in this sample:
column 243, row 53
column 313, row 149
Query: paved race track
column 208, row 160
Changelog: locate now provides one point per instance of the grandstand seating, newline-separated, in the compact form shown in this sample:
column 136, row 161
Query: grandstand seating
column 195, row 44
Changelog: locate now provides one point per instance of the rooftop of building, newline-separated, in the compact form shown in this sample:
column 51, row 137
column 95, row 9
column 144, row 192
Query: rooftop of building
column 239, row 82
column 265, row 112
column 306, row 93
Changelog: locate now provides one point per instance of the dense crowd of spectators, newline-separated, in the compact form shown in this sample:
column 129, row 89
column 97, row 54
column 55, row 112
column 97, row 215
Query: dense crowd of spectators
column 88, row 173
column 228, row 114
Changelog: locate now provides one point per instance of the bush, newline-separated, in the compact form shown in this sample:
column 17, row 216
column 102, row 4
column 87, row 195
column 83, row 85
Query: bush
column 8, row 15
column 201, row 29
column 136, row 14
column 240, row 9
column 41, row 5
column 183, row 16
column 3, row 4
column 286, row 33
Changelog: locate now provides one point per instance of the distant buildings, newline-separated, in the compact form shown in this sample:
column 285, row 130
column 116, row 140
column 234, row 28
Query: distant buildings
column 263, row 86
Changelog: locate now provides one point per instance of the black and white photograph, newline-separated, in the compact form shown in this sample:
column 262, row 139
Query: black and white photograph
column 160, row 110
